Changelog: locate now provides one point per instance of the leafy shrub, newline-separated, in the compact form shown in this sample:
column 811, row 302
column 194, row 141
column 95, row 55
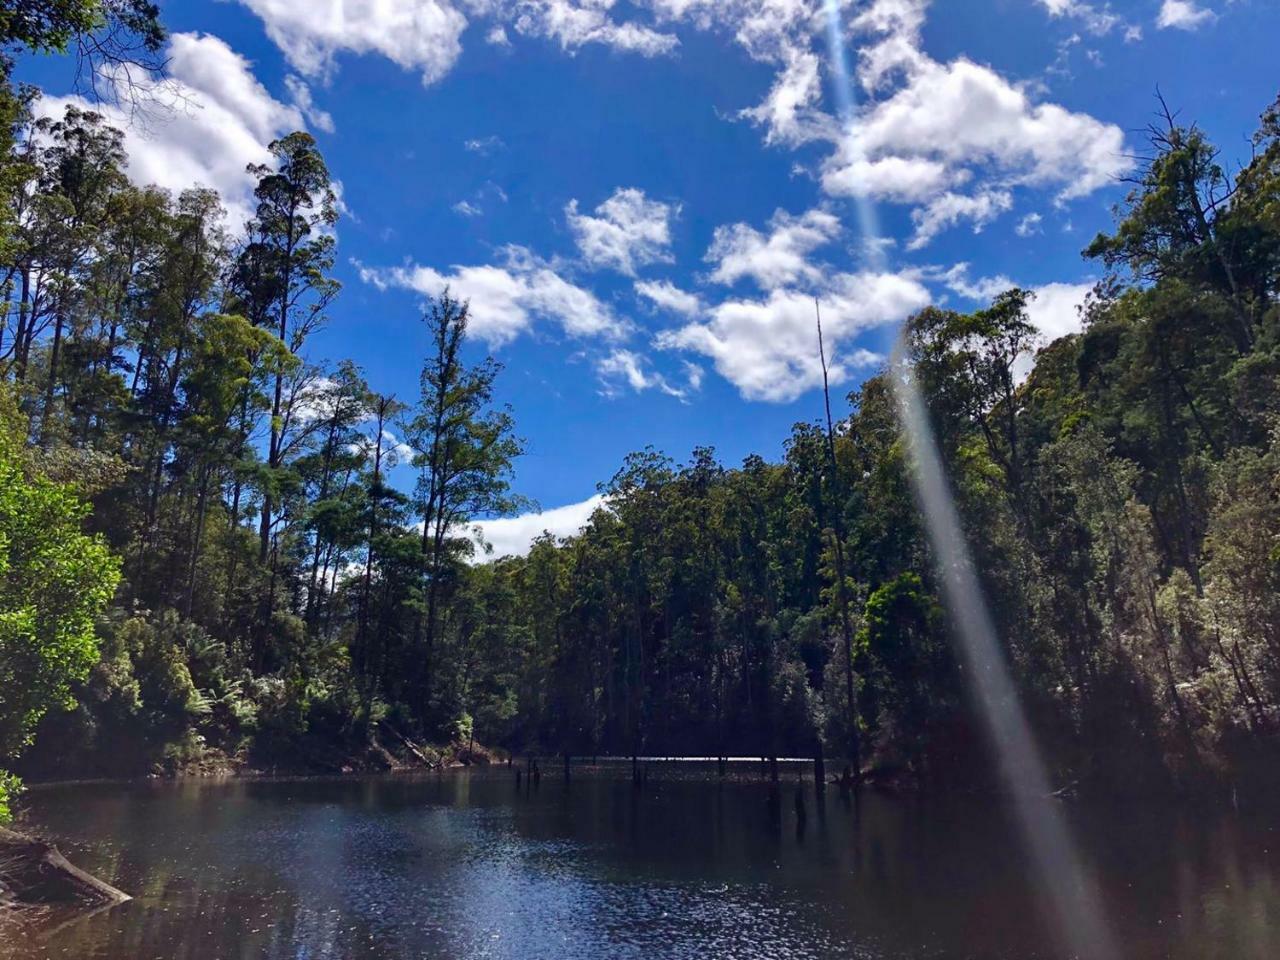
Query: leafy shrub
column 10, row 787
column 54, row 582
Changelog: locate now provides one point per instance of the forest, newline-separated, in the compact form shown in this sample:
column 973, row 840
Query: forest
column 206, row 566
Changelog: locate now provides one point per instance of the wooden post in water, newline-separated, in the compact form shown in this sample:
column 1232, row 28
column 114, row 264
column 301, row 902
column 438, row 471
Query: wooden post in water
column 819, row 769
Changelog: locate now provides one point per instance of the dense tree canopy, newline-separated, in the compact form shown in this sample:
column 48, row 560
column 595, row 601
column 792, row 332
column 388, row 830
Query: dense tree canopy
column 1118, row 487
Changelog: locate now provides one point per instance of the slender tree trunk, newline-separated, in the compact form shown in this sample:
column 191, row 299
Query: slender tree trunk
column 842, row 587
column 362, row 634
column 26, row 319
column 198, row 538
column 55, row 352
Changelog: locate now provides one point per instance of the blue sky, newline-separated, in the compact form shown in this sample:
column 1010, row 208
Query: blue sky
column 642, row 198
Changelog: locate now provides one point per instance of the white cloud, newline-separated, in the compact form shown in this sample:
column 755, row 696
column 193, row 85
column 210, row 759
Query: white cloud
column 485, row 145
column 633, row 369
column 513, row 536
column 508, row 297
column 421, row 35
column 1096, row 19
column 966, row 116
column 774, row 260
column 790, row 113
column 949, row 209
column 217, row 119
column 465, row 208
column 576, row 23
column 931, row 128
column 777, row 32
column 667, row 296
column 897, row 50
column 762, row 27
column 900, row 179
column 395, row 451
column 1183, row 15
column 982, row 289
column 302, row 99
column 1029, row 225
column 1055, row 311
column 628, row 231
column 768, row 348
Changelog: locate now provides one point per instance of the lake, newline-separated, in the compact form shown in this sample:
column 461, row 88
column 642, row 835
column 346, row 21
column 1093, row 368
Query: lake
column 463, row 865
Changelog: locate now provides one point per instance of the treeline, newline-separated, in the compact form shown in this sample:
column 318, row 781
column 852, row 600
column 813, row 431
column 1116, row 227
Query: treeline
column 273, row 581
column 273, row 587
column 1120, row 489
column 226, row 574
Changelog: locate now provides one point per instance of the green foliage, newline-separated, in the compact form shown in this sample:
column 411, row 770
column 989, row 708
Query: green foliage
column 51, row 25
column 54, row 582
column 1118, row 488
column 10, row 789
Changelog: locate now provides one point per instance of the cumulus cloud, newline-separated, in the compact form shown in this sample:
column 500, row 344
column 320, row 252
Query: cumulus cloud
column 894, row 178
column 1055, row 311
column 426, row 35
column 948, row 209
column 967, row 117
column 1183, row 15
column 420, row 35
column 775, row 259
column 508, row 297
column 216, row 119
column 513, row 536
column 777, row 32
column 768, row 347
column 983, row 289
column 576, row 23
column 667, row 296
column 790, row 113
column 627, row 231
column 950, row 139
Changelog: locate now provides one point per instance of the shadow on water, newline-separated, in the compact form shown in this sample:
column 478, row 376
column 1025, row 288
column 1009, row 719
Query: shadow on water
column 462, row 866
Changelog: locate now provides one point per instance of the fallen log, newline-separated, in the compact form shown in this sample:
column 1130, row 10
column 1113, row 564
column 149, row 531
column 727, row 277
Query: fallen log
column 35, row 878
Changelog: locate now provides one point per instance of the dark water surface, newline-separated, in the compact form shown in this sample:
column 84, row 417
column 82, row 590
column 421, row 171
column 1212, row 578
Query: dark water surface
column 463, row 865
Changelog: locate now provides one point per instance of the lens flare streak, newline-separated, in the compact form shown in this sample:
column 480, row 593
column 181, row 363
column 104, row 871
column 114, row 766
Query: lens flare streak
column 1061, row 875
